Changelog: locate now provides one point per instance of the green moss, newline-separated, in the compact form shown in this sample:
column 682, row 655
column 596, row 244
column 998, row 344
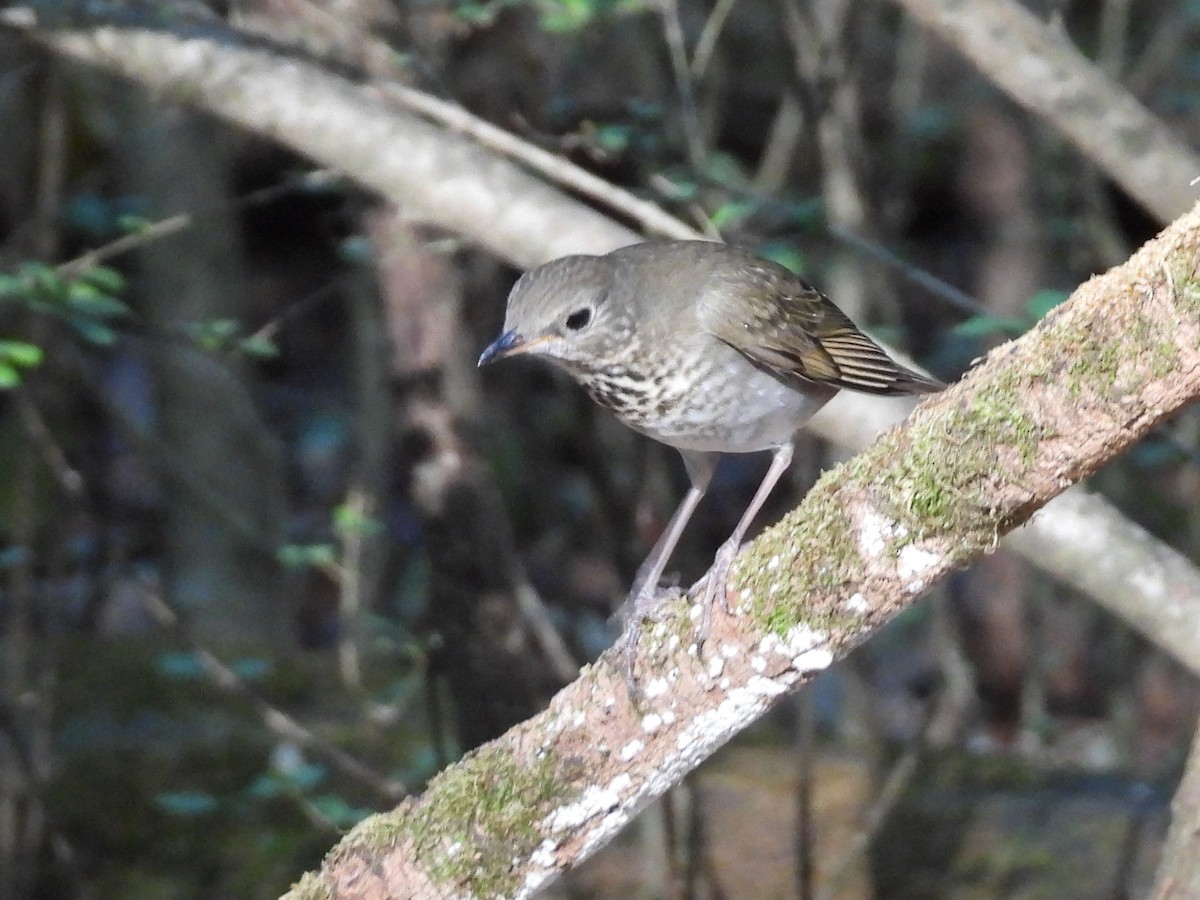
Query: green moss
column 779, row 599
column 1183, row 265
column 473, row 821
column 937, row 492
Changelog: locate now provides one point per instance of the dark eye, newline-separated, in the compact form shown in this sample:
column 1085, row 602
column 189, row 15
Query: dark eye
column 579, row 319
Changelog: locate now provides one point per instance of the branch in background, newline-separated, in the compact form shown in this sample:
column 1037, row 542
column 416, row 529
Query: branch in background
column 1044, row 72
column 273, row 719
column 969, row 465
column 1178, row 875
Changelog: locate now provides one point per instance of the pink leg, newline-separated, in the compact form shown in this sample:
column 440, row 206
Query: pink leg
column 718, row 575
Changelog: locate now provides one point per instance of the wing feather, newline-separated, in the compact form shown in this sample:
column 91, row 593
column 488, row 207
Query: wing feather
column 777, row 320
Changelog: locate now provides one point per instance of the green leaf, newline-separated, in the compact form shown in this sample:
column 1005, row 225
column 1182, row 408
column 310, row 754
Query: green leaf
column 786, row 255
column 349, row 521
column 735, row 211
column 339, row 811
column 179, row 664
column 301, row 555
column 259, row 347
column 90, row 300
column 614, row 139
column 1044, row 301
column 108, row 280
column 478, row 14
column 92, row 331
column 20, row 353
column 131, row 224
column 988, row 326
column 186, row 803
column 45, row 281
column 12, row 286
column 9, row 377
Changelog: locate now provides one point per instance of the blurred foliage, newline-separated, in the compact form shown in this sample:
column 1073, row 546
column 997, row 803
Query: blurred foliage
column 162, row 784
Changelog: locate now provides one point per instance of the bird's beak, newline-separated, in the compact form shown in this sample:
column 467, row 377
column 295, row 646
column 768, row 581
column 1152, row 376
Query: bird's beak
column 509, row 344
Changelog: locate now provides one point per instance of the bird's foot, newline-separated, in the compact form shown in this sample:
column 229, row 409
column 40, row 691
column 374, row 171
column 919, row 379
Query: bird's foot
column 715, row 583
column 647, row 604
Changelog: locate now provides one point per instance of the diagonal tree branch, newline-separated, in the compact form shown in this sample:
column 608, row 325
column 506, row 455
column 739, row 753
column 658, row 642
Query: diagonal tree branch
column 446, row 177
column 968, row 466
column 1043, row 71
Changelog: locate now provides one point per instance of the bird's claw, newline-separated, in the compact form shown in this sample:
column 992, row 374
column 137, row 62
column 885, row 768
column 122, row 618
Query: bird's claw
column 648, row 604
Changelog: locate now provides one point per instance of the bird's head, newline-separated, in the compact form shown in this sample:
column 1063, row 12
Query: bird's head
column 563, row 311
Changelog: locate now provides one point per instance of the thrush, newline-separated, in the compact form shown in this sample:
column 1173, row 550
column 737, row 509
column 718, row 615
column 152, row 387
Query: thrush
column 705, row 347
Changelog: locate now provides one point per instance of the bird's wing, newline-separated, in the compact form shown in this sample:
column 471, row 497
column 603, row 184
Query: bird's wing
column 777, row 320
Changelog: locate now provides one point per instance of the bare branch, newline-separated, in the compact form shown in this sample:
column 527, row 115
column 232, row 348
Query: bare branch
column 1044, row 72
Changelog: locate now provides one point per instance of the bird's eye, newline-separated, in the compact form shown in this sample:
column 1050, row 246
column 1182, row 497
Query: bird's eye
column 579, row 319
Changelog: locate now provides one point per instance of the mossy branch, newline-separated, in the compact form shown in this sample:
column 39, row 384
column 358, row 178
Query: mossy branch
column 969, row 465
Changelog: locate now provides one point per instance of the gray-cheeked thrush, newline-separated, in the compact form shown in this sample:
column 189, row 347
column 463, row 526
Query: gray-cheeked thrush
column 702, row 346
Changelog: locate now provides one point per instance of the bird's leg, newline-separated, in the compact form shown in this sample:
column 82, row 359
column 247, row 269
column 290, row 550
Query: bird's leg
column 717, row 577
column 644, row 595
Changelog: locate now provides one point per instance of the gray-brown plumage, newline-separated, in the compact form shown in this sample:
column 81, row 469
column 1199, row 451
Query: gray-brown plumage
column 702, row 346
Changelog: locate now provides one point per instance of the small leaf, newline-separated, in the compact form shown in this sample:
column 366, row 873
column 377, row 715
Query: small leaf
column 179, row 664
column 301, row 555
column 259, row 347
column 9, row 377
column 349, row 521
column 132, row 224
column 186, row 803
column 1044, row 301
column 252, row 668
column 339, row 811
column 93, row 331
column 989, row 326
column 20, row 353
column 90, row 300
column 12, row 286
column 730, row 213
column 106, row 279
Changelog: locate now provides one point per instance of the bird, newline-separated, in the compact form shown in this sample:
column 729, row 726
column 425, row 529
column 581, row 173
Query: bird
column 703, row 346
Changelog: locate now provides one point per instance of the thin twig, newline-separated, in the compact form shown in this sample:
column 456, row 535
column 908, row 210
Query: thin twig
column 174, row 224
column 688, row 112
column 274, row 719
column 649, row 216
column 707, row 42
column 68, row 477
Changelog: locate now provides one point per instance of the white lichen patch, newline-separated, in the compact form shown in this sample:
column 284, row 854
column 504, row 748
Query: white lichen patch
column 912, row 563
column 758, row 664
column 766, row 687
column 876, row 533
column 543, row 856
column 729, row 651
column 813, row 660
column 668, row 717
column 716, row 666
column 656, row 688
column 594, row 801
column 651, row 723
column 772, row 563
column 801, row 638
column 857, row 604
column 630, row 750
